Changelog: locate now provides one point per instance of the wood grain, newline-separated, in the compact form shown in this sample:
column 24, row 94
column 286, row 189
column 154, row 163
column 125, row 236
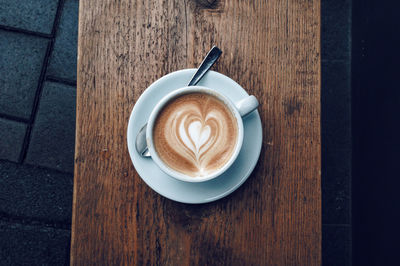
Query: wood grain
column 271, row 48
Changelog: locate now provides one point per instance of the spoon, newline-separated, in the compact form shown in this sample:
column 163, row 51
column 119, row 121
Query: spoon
column 208, row 62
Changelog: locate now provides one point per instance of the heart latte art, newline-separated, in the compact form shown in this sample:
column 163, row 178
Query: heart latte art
column 195, row 134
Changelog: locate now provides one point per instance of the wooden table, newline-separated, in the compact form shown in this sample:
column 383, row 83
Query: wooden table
column 271, row 48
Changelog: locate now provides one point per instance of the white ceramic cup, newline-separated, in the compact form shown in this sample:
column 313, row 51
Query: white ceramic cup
column 239, row 110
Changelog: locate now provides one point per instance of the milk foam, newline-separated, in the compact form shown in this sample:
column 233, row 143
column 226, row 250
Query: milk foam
column 198, row 135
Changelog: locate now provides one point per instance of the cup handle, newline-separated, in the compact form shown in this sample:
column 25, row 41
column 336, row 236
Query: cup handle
column 247, row 105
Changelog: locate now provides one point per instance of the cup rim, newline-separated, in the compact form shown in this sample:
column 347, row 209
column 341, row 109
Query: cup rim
column 182, row 91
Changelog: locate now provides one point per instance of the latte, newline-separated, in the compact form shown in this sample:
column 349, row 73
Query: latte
column 195, row 134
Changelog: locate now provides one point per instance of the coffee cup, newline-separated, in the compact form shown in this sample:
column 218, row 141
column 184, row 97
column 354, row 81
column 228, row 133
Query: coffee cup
column 195, row 133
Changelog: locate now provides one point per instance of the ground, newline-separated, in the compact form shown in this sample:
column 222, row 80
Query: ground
column 38, row 47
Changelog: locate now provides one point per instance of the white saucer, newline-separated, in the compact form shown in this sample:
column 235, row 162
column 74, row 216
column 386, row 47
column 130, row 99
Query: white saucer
column 203, row 192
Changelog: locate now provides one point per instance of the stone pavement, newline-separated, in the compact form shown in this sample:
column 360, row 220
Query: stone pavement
column 336, row 131
column 38, row 44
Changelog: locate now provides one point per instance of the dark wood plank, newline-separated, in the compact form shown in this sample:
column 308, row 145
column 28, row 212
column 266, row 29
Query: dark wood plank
column 272, row 49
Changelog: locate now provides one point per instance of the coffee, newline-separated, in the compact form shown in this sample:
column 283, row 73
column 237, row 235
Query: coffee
column 195, row 134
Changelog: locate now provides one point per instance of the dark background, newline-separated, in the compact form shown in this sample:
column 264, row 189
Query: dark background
column 376, row 132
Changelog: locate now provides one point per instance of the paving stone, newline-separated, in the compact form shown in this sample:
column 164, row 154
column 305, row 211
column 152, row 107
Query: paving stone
column 53, row 133
column 336, row 105
column 336, row 179
column 21, row 59
column 336, row 29
column 64, row 56
column 35, row 193
column 33, row 245
column 11, row 139
column 35, row 15
column 336, row 86
column 336, row 142
column 336, row 245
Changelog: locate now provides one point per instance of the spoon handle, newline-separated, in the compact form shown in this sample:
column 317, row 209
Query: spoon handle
column 207, row 63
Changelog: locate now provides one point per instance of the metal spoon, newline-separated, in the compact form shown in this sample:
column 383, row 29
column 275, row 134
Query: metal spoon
column 208, row 62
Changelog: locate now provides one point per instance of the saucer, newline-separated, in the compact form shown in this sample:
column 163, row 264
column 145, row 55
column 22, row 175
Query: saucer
column 202, row 192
